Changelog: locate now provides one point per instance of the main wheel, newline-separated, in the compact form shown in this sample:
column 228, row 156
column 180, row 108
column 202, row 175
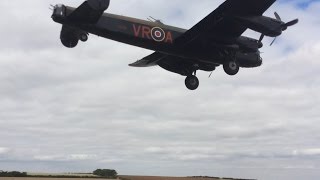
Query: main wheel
column 231, row 67
column 192, row 82
column 70, row 42
column 83, row 37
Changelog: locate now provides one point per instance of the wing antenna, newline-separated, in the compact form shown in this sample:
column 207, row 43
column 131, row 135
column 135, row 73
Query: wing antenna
column 210, row 74
column 156, row 20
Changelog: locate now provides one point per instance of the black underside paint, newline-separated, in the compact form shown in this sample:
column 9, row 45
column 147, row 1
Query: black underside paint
column 206, row 45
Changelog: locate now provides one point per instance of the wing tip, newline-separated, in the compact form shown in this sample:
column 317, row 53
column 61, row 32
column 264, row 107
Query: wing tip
column 135, row 64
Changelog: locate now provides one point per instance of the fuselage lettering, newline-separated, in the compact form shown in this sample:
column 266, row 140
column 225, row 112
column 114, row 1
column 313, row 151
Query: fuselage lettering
column 146, row 32
column 136, row 30
column 168, row 38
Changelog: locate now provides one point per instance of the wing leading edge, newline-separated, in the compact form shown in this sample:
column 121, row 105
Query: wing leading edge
column 220, row 23
column 151, row 60
column 171, row 63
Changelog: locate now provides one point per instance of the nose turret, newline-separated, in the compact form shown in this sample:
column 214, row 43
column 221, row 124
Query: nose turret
column 59, row 12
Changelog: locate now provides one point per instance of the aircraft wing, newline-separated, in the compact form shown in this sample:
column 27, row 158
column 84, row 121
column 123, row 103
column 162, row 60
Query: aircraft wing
column 171, row 63
column 221, row 25
column 150, row 60
column 89, row 11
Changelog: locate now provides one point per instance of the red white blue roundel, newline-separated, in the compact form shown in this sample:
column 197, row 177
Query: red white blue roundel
column 158, row 34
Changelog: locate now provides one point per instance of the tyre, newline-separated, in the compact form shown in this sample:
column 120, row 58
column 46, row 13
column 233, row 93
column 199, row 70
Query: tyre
column 231, row 67
column 70, row 43
column 83, row 37
column 192, row 82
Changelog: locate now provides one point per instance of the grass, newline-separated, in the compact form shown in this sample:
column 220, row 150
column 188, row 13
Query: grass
column 123, row 177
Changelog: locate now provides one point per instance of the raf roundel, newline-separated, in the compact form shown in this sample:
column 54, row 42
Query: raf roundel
column 158, row 34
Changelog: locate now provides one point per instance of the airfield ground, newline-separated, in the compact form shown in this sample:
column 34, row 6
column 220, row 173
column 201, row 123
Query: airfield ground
column 120, row 177
column 36, row 178
column 171, row 178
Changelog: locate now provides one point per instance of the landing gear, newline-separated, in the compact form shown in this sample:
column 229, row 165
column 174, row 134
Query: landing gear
column 192, row 82
column 231, row 67
column 69, row 42
column 83, row 37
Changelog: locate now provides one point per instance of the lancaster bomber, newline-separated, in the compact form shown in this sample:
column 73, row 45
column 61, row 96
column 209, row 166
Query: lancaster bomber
column 216, row 40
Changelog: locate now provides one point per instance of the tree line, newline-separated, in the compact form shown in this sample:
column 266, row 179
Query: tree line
column 12, row 174
column 99, row 173
column 107, row 173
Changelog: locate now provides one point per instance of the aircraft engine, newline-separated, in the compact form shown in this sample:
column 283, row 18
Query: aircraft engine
column 99, row 5
column 249, row 60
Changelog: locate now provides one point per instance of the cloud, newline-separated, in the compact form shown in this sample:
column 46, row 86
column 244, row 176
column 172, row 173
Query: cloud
column 307, row 152
column 71, row 157
column 46, row 158
column 4, row 150
column 83, row 157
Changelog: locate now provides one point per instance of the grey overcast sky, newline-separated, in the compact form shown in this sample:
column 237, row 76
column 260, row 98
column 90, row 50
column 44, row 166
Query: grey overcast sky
column 75, row 110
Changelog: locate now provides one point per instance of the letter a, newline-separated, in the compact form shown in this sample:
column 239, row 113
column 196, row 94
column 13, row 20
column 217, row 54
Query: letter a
column 169, row 38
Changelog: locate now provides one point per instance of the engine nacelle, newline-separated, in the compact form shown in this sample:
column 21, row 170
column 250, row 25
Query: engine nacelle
column 265, row 25
column 99, row 5
column 249, row 44
column 69, row 36
column 249, row 60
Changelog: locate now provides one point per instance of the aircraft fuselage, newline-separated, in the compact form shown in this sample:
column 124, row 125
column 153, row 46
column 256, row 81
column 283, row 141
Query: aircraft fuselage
column 215, row 40
column 159, row 37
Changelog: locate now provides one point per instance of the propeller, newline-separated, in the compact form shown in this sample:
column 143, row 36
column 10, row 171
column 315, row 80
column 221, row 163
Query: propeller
column 261, row 38
column 260, row 44
column 291, row 23
column 274, row 40
column 284, row 26
column 288, row 24
column 277, row 16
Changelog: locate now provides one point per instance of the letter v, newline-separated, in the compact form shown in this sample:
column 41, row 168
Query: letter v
column 136, row 30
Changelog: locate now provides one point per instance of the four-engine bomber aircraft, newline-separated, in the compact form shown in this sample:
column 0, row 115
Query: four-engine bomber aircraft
column 216, row 40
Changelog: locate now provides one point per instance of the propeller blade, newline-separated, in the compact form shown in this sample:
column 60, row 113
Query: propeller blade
column 291, row 23
column 274, row 40
column 277, row 16
column 261, row 38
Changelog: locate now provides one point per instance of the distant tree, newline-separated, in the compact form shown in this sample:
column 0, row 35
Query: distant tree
column 107, row 173
column 12, row 174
